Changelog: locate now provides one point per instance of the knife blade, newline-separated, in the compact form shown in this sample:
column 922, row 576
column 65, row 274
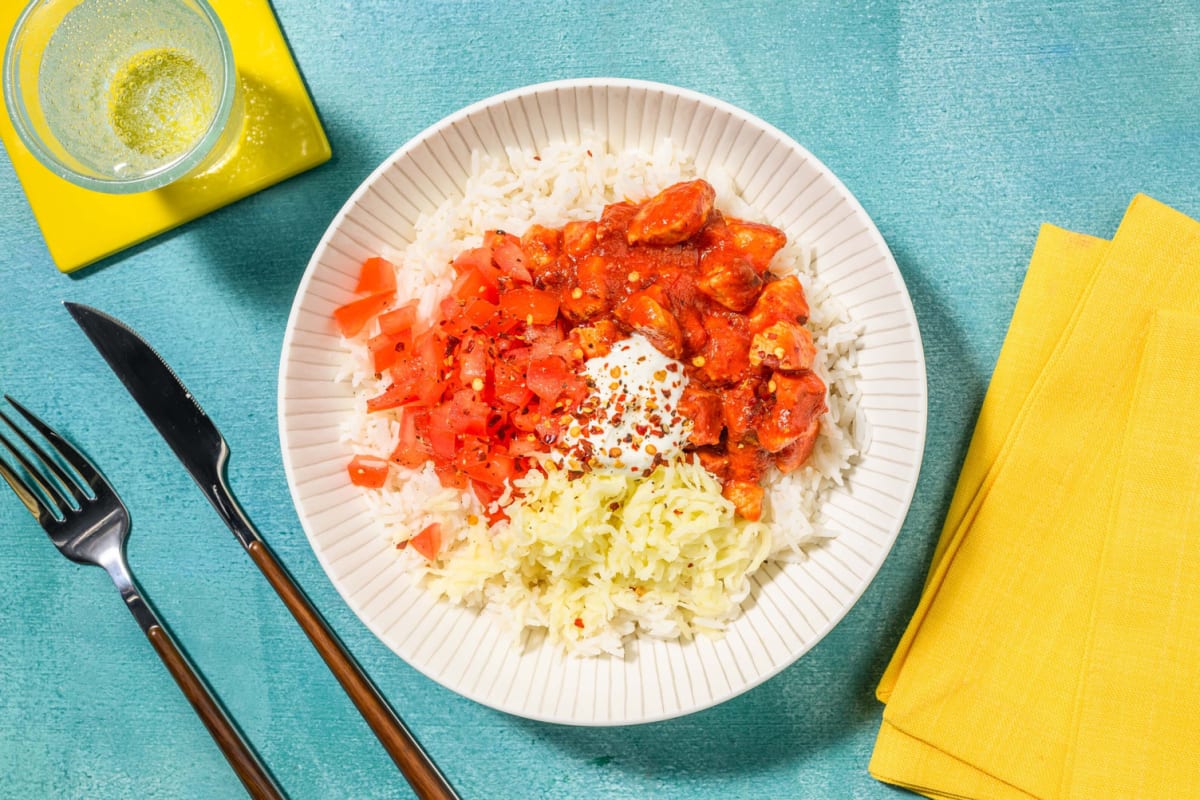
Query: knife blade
column 203, row 451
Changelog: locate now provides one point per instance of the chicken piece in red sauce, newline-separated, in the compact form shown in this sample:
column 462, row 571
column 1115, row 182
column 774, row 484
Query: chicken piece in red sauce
column 715, row 460
column 645, row 312
column 783, row 345
column 782, row 300
column 757, row 242
column 706, row 412
column 797, row 400
column 541, row 246
column 597, row 338
column 729, row 278
column 746, row 496
column 725, row 357
column 674, row 215
column 793, row 456
column 742, row 408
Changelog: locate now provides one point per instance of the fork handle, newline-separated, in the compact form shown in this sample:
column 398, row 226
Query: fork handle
column 423, row 775
column 259, row 782
column 245, row 762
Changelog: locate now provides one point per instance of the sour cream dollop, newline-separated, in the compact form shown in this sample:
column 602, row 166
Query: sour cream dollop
column 630, row 419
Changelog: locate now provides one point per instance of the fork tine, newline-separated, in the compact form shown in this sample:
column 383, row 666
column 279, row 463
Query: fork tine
column 63, row 448
column 46, row 483
column 36, row 505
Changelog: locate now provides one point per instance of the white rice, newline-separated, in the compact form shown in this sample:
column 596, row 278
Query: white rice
column 557, row 184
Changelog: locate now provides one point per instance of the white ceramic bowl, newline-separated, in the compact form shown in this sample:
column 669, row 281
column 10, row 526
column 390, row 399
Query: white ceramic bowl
column 791, row 606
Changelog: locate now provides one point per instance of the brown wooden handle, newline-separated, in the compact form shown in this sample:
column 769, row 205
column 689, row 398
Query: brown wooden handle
column 241, row 757
column 426, row 780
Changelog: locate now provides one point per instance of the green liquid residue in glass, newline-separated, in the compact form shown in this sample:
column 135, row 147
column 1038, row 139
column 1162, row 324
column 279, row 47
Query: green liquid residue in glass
column 160, row 102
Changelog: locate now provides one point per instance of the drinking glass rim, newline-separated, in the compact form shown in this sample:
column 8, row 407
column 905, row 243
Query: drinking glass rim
column 154, row 180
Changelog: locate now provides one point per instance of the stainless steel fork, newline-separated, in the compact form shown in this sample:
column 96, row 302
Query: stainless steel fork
column 89, row 524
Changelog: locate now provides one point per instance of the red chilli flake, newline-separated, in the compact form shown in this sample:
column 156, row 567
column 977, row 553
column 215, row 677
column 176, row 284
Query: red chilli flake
column 578, row 620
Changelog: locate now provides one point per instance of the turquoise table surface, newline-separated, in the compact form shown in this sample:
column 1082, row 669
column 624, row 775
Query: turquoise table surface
column 960, row 127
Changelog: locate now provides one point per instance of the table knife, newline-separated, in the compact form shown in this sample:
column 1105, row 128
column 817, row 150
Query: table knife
column 204, row 453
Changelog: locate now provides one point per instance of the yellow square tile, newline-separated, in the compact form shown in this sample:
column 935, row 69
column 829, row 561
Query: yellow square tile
column 282, row 137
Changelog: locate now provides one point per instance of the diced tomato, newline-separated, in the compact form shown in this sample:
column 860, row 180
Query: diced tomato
column 466, row 415
column 442, row 441
column 487, row 467
column 429, row 347
column 502, row 327
column 479, row 259
column 568, row 351
column 473, row 284
column 472, row 450
column 574, row 393
column 415, row 374
column 429, row 541
column 385, row 348
column 547, row 377
column 509, row 382
column 408, row 452
column 449, row 476
column 419, row 368
column 450, row 307
column 421, row 394
column 548, row 429
column 428, row 394
column 507, row 255
column 542, row 339
column 354, row 316
column 399, row 319
column 494, row 238
column 525, row 444
column 493, row 468
column 463, row 319
column 378, row 275
column 519, row 356
column 498, row 429
column 526, row 420
column 472, row 359
column 533, row 306
column 368, row 471
column 394, row 396
column 488, row 494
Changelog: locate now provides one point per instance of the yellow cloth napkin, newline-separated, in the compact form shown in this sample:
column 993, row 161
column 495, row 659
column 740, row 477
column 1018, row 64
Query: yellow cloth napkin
column 1049, row 655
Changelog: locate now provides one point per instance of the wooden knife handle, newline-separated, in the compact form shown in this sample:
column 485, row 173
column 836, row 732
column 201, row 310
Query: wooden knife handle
column 245, row 762
column 427, row 781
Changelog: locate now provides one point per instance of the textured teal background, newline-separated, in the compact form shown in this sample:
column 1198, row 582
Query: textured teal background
column 960, row 127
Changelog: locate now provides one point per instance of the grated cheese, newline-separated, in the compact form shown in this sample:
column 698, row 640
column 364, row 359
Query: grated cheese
column 594, row 558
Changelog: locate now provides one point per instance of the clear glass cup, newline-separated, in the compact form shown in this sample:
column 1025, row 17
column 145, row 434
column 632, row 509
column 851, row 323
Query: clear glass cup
column 122, row 96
